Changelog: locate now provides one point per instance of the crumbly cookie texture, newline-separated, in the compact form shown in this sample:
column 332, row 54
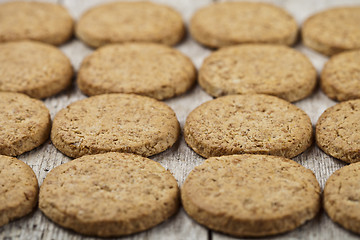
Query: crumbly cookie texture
column 230, row 23
column 24, row 123
column 251, row 195
column 258, row 68
column 248, row 124
column 109, row 194
column 342, row 197
column 338, row 131
column 39, row 21
column 18, row 189
column 340, row 77
column 36, row 69
column 333, row 31
column 148, row 69
column 130, row 22
column 115, row 123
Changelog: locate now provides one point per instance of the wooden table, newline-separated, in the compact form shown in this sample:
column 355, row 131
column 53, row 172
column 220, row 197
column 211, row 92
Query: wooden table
column 180, row 159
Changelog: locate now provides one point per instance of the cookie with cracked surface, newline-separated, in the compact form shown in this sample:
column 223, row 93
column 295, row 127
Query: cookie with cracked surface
column 120, row 22
column 340, row 77
column 258, row 68
column 148, row 69
column 24, row 123
column 338, row 131
column 39, row 21
column 230, row 23
column 257, row 123
column 115, row 123
column 342, row 197
column 18, row 189
column 36, row 69
column 251, row 195
column 110, row 194
column 333, row 30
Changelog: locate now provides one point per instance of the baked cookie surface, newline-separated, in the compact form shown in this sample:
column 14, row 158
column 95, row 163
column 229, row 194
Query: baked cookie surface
column 40, row 21
column 24, row 123
column 230, row 23
column 338, row 131
column 258, row 68
column 130, row 22
column 341, row 197
column 115, row 123
column 248, row 124
column 340, row 77
column 35, row 69
column 333, row 31
column 148, row 69
column 109, row 194
column 18, row 189
column 251, row 195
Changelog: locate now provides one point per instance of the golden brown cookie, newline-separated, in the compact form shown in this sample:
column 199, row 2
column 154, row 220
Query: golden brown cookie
column 230, row 23
column 24, row 123
column 248, row 124
column 333, row 30
column 148, row 69
column 338, row 131
column 115, row 123
column 40, row 21
column 109, row 194
column 18, row 189
column 342, row 197
column 36, row 69
column 258, row 68
column 130, row 22
column 340, row 77
column 251, row 195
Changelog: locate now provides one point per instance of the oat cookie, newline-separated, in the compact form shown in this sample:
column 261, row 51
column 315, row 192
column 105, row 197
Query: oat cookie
column 338, row 131
column 115, row 123
column 40, row 21
column 109, row 194
column 18, row 189
column 230, row 23
column 251, row 195
column 130, row 22
column 340, row 77
column 342, row 197
column 333, row 31
column 36, row 69
column 24, row 123
column 248, row 124
column 148, row 69
column 258, row 68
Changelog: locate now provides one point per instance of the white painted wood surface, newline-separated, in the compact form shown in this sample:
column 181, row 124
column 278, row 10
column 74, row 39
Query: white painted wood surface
column 180, row 159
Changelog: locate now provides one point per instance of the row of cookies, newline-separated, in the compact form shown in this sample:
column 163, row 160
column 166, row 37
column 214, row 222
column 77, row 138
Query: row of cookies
column 217, row 25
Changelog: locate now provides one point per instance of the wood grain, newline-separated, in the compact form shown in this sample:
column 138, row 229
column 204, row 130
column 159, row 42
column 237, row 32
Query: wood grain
column 180, row 159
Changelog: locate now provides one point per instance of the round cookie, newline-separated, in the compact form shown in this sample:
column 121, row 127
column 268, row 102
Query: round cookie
column 130, row 22
column 24, row 123
column 18, row 189
column 251, row 195
column 109, row 194
column 258, row 68
column 333, row 31
column 338, row 131
column 248, row 124
column 115, row 123
column 340, row 77
column 40, row 21
column 36, row 69
column 148, row 69
column 230, row 23
column 342, row 197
